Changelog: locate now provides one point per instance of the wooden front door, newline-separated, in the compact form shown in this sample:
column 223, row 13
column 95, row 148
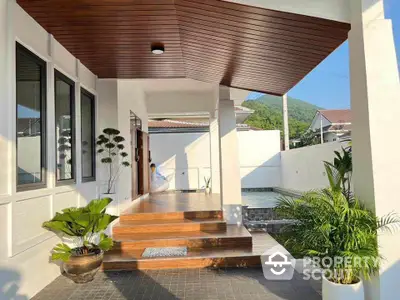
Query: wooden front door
column 144, row 162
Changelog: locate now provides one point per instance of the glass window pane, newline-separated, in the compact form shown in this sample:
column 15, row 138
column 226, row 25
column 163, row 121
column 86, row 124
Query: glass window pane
column 88, row 139
column 64, row 128
column 30, row 95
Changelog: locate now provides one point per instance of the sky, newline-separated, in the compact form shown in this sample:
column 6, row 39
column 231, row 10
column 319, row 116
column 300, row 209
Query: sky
column 328, row 85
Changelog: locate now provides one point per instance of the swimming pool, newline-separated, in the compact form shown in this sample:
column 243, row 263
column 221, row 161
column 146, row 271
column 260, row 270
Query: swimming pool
column 267, row 199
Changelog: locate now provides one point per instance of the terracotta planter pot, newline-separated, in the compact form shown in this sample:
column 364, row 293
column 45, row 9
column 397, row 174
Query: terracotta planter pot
column 82, row 269
column 335, row 291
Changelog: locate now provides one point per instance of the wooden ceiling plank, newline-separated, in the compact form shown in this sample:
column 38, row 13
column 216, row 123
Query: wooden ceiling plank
column 245, row 21
column 268, row 12
column 270, row 17
column 226, row 31
column 251, row 44
column 255, row 58
column 211, row 22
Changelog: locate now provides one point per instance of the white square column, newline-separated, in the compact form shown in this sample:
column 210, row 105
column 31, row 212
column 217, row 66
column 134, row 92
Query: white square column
column 229, row 162
column 214, row 155
column 285, row 122
column 375, row 104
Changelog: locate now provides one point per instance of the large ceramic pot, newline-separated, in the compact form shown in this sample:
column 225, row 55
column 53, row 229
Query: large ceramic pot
column 83, row 268
column 208, row 191
column 335, row 291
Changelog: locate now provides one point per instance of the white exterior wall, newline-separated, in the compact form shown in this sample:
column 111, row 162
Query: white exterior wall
column 186, row 157
column 24, row 245
column 302, row 169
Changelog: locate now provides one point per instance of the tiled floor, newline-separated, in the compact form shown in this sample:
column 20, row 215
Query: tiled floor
column 181, row 284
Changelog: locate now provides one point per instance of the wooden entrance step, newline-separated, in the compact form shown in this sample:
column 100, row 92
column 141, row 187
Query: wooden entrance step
column 195, row 259
column 156, row 226
column 180, row 215
column 127, row 254
column 233, row 237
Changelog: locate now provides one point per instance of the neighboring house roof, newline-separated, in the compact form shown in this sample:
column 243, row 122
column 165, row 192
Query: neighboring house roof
column 168, row 125
column 175, row 124
column 345, row 127
column 337, row 115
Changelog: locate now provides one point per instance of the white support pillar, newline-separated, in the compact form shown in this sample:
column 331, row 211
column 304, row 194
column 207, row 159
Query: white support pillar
column 229, row 160
column 214, row 155
column 375, row 104
column 5, row 87
column 285, row 122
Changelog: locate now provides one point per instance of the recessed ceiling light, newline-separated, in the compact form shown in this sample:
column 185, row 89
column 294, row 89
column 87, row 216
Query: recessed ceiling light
column 157, row 48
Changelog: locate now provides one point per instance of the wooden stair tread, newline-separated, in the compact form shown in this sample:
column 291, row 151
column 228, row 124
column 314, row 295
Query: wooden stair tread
column 166, row 222
column 232, row 231
column 136, row 255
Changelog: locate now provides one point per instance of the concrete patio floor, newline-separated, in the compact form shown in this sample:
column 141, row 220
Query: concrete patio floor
column 207, row 284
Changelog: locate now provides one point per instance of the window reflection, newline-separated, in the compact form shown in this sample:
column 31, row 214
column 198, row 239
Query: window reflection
column 30, row 94
column 64, row 127
column 88, row 135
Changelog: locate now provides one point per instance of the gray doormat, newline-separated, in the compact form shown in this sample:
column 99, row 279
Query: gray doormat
column 165, row 252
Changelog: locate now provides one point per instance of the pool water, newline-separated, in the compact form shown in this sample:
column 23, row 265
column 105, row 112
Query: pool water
column 260, row 199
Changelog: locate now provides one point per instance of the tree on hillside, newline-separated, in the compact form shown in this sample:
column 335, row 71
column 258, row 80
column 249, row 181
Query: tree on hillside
column 268, row 118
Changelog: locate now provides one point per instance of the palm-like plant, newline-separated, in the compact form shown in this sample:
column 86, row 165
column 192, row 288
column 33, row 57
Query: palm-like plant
column 84, row 227
column 327, row 224
column 340, row 171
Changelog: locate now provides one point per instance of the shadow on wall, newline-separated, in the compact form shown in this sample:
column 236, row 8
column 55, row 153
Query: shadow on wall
column 9, row 285
column 266, row 175
column 178, row 151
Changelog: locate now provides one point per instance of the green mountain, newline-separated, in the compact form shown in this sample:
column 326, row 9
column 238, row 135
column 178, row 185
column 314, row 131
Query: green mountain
column 268, row 114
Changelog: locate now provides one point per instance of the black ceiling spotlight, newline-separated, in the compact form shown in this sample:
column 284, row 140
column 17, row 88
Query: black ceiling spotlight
column 157, row 48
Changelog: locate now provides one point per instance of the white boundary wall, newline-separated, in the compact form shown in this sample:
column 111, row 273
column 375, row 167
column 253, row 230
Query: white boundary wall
column 302, row 169
column 185, row 158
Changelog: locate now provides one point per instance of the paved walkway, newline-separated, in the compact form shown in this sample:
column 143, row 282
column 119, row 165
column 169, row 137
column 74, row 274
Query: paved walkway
column 201, row 284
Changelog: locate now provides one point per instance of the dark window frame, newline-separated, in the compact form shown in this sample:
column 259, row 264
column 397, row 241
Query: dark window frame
column 93, row 119
column 69, row 81
column 21, row 50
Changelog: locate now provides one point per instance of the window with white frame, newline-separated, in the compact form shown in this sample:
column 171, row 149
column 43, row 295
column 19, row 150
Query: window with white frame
column 31, row 119
column 88, row 136
column 65, row 133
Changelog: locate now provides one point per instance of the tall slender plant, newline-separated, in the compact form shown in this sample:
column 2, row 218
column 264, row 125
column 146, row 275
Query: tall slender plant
column 111, row 148
column 340, row 172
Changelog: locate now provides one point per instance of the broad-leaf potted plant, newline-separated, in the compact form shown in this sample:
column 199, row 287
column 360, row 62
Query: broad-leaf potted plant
column 207, row 185
column 333, row 225
column 111, row 149
column 84, row 241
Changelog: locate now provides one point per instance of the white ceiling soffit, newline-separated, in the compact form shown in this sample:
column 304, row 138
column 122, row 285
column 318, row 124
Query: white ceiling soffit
column 337, row 10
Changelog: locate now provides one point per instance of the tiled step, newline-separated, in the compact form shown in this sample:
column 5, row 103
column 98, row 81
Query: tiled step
column 233, row 237
column 182, row 215
column 156, row 226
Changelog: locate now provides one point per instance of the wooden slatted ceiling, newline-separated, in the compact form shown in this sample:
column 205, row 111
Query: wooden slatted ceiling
column 208, row 40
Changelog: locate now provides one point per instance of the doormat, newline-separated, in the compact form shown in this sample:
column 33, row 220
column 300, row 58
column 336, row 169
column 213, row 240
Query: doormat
column 165, row 252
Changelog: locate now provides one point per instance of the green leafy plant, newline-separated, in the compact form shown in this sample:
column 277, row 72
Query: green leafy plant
column 340, row 171
column 110, row 146
column 83, row 227
column 333, row 223
column 207, row 182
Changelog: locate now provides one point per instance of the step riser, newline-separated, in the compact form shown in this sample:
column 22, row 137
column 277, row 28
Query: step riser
column 124, row 219
column 184, row 263
column 180, row 227
column 239, row 242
